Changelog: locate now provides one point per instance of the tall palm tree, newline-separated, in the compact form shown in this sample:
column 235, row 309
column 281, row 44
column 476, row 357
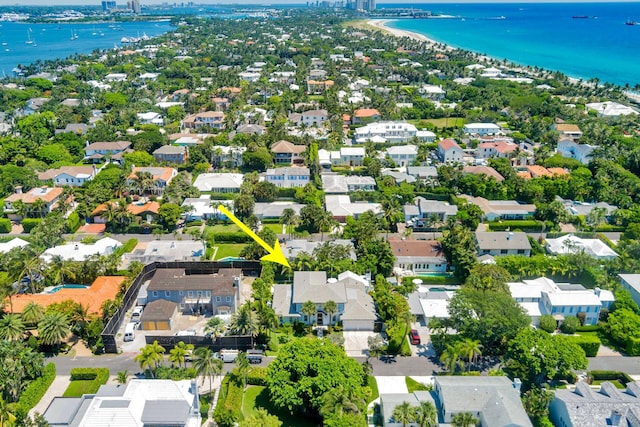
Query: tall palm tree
column 403, row 414
column 245, row 322
column 287, row 218
column 325, row 223
column 32, row 269
column 464, row 419
column 425, row 414
column 215, row 326
column 11, row 327
column 150, row 357
column 32, row 313
column 391, row 211
column 243, row 367
column 53, row 328
column 470, row 349
column 178, row 354
column 450, row 357
column 341, row 401
column 60, row 269
column 331, row 308
column 309, row 309
column 206, row 364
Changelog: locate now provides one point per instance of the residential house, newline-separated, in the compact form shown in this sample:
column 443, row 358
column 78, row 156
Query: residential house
column 116, row 77
column 402, row 155
column 587, row 407
column 69, row 176
column 78, row 251
column 355, row 306
column 611, row 109
column 388, row 403
column 423, row 172
column 341, row 207
column 418, row 256
column 585, row 208
column 166, row 251
column 150, row 118
column 171, row 154
column 488, row 150
column 543, row 296
column 317, row 87
column 145, row 212
column 227, row 156
column 502, row 209
column 449, row 151
column 432, row 92
column 99, row 152
column 398, row 176
column 571, row 244
column 274, row 210
column 381, row 132
column 631, row 282
column 42, row 199
column 365, row 115
column 92, row 297
column 572, row 150
column 481, row 129
column 140, row 402
column 293, row 248
column 568, row 131
column 288, row 177
column 487, row 171
column 248, row 129
column 347, row 156
column 314, row 118
column 222, row 104
column 249, row 76
column 202, row 208
column 219, row 182
column 429, row 210
column 211, row 119
column 216, row 294
column 287, row 153
column 162, row 177
column 340, row 184
column 75, row 128
column 427, row 303
column 12, row 244
column 159, row 315
column 502, row 243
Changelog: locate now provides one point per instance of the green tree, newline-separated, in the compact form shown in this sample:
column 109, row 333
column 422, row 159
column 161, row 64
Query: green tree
column 288, row 218
column 53, row 328
column 150, row 357
column 178, row 354
column 404, row 414
column 464, row 419
column 624, row 301
column 243, row 368
column 11, row 327
column 245, row 321
column 338, row 402
column 331, row 308
column 306, row 369
column 548, row 323
column 310, row 310
column 261, row 418
column 536, row 402
column 215, row 326
column 122, row 377
column 470, row 350
column 426, row 414
column 243, row 206
column 460, row 248
column 32, row 313
column 206, row 364
column 569, row 325
column 170, row 214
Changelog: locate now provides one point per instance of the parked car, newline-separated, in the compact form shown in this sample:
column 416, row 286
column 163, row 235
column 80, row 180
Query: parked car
column 414, row 337
column 137, row 313
column 254, row 356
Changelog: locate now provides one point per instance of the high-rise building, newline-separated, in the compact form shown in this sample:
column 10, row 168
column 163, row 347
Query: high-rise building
column 108, row 5
column 135, row 6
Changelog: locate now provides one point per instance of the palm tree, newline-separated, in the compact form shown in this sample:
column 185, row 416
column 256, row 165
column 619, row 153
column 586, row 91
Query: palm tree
column 310, row 310
column 215, row 326
column 287, row 218
column 470, row 349
column 243, row 367
column 123, row 377
column 245, row 322
column 11, row 327
column 450, row 357
column 32, row 313
column 403, row 414
column 206, row 364
column 391, row 210
column 150, row 356
column 425, row 414
column 341, row 401
column 32, row 269
column 464, row 419
column 325, row 223
column 178, row 354
column 331, row 308
column 53, row 328
column 59, row 269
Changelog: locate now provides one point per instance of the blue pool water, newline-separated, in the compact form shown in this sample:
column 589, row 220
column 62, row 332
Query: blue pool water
column 66, row 286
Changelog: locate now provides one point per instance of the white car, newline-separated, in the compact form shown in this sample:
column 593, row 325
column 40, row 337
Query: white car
column 137, row 314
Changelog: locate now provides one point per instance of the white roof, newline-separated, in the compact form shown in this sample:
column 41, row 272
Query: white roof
column 81, row 251
column 402, row 149
column 209, row 181
column 612, row 109
column 352, row 151
column 341, row 206
column 438, row 308
column 481, row 126
column 572, row 244
column 557, row 297
column 11, row 244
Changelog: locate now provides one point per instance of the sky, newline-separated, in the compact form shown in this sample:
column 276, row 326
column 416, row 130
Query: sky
column 260, row 2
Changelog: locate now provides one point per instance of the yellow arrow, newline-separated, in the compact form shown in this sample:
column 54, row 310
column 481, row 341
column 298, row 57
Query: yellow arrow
column 275, row 253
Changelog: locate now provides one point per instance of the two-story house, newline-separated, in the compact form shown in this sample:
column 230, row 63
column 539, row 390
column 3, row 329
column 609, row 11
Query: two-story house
column 423, row 209
column 572, row 150
column 568, row 131
column 227, row 156
column 314, row 118
column 40, row 199
column 449, row 151
column 219, row 182
column 288, row 177
column 171, row 154
column 162, row 177
column 99, row 152
column 70, row 176
column 355, row 306
column 211, row 119
column 502, row 243
column 286, row 153
column 418, row 256
column 402, row 155
column 216, row 294
column 481, row 129
column 365, row 115
column 150, row 118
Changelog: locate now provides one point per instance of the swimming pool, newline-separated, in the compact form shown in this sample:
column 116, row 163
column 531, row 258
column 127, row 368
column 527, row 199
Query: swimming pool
column 66, row 286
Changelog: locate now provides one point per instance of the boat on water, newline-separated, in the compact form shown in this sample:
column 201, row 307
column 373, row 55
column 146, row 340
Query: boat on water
column 74, row 35
column 580, row 17
column 630, row 22
column 29, row 41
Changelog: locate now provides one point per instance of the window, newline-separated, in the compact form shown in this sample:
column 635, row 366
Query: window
column 154, row 293
column 228, row 299
column 218, row 299
column 167, row 293
column 190, row 294
column 503, row 251
column 207, row 294
column 520, row 251
column 181, row 293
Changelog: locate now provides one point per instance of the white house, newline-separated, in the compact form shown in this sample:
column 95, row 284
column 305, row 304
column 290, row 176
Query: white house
column 101, row 151
column 402, row 155
column 610, row 109
column 572, row 150
column 203, row 208
column 571, row 244
column 76, row 251
column 425, row 209
column 227, row 155
column 543, row 296
column 418, row 256
column 219, row 182
column 71, row 176
column 212, row 119
column 140, row 402
column 393, row 132
column 49, row 197
column 12, row 244
column 341, row 206
column 340, row 184
column 449, row 151
column 288, row 177
column 150, row 118
column 481, row 129
column 314, row 117
column 631, row 282
column 432, row 92
column 502, row 209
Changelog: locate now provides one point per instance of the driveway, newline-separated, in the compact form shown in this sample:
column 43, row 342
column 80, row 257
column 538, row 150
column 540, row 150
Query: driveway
column 356, row 344
column 391, row 385
column 425, row 348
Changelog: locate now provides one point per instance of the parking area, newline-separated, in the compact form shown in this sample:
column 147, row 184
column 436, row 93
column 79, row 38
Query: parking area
column 425, row 348
column 356, row 344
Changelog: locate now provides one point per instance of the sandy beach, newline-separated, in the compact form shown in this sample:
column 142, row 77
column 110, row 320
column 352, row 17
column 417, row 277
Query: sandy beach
column 381, row 25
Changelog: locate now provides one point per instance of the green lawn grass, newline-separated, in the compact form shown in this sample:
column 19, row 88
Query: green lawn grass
column 448, row 122
column 413, row 385
column 221, row 228
column 258, row 397
column 616, row 383
column 79, row 387
column 276, row 228
column 228, row 249
column 373, row 385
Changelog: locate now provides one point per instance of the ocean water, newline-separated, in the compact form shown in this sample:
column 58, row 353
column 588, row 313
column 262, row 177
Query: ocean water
column 542, row 34
column 51, row 41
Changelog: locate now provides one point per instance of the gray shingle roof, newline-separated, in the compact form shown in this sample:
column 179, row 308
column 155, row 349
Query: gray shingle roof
column 502, row 240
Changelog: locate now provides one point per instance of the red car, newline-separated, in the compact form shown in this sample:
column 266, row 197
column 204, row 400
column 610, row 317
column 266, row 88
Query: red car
column 414, row 337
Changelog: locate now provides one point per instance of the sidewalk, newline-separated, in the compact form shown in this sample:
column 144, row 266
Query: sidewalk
column 57, row 388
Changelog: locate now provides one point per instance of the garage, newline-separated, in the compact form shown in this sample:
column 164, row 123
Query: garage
column 159, row 315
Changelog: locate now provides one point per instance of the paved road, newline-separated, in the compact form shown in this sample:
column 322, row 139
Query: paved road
column 630, row 365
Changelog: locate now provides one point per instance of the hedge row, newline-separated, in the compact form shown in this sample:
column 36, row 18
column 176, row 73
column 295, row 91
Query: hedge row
column 229, row 408
column 5, row 225
column 78, row 374
column 73, row 222
column 129, row 245
column 633, row 346
column 610, row 376
column 524, row 225
column 588, row 343
column 232, row 237
column 257, row 376
column 588, row 328
column 29, row 223
column 33, row 392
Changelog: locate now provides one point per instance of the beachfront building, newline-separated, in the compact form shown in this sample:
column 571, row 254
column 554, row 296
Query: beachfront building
column 611, row 109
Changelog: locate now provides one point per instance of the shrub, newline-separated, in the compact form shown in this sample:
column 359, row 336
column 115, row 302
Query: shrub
column 589, row 328
column 257, row 376
column 633, row 346
column 547, row 323
column 588, row 343
column 232, row 237
column 569, row 325
column 610, row 376
column 175, row 374
column 97, row 376
column 29, row 223
column 229, row 407
column 194, row 223
column 524, row 225
column 73, row 222
column 33, row 392
column 83, row 374
column 5, row 225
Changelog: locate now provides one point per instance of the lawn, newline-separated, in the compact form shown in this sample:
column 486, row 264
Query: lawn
column 276, row 228
column 221, row 228
column 373, row 385
column 616, row 383
column 79, row 387
column 450, row 122
column 413, row 385
column 258, row 397
column 228, row 249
